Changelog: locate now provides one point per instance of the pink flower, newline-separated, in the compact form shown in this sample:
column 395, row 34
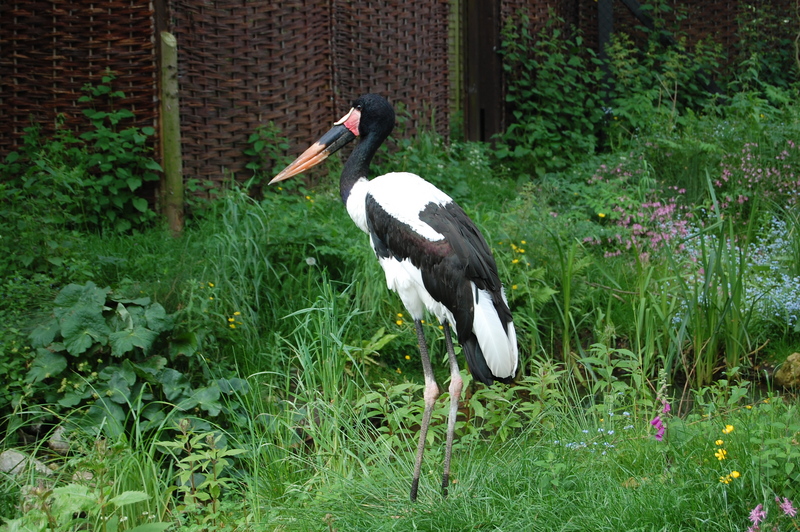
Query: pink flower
column 660, row 428
column 757, row 515
column 786, row 506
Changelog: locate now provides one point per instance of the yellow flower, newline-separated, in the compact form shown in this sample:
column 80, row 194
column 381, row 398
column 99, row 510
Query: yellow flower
column 735, row 474
column 749, row 407
column 514, row 261
column 237, row 313
column 601, row 215
column 522, row 242
column 719, row 443
column 766, row 401
column 399, row 371
column 408, row 357
column 513, row 287
column 211, row 298
column 721, row 454
column 399, row 314
column 211, row 285
column 441, row 327
column 520, row 250
column 231, row 320
column 728, row 429
column 399, row 322
column 726, row 479
column 232, row 325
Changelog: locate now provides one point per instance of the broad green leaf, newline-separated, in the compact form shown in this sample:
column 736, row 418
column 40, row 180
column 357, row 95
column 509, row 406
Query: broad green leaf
column 124, row 341
column 108, row 416
column 157, row 318
column 236, row 384
column 140, row 204
column 129, row 497
column 43, row 335
column 81, row 327
column 174, row 383
column 70, row 500
column 151, row 527
column 46, row 364
column 74, row 294
column 185, row 344
column 150, row 367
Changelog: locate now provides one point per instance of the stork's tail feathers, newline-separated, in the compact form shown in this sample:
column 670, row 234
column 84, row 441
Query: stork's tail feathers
column 491, row 349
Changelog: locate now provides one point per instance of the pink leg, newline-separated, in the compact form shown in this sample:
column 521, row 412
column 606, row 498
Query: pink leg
column 456, row 383
column 430, row 394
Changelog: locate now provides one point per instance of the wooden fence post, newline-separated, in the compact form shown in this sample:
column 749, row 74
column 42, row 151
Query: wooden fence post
column 171, row 133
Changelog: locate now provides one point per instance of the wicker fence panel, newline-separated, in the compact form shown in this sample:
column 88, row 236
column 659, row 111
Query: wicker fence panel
column 49, row 49
column 398, row 49
column 244, row 64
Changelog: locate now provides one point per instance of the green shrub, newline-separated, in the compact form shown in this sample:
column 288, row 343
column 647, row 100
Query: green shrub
column 553, row 88
column 118, row 361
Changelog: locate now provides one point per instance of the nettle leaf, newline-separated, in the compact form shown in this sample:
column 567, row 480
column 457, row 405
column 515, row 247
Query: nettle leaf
column 157, row 318
column 124, row 341
column 82, row 327
column 70, row 500
column 45, row 365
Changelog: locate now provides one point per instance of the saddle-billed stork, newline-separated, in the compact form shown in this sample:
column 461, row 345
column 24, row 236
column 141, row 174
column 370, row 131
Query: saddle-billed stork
column 433, row 256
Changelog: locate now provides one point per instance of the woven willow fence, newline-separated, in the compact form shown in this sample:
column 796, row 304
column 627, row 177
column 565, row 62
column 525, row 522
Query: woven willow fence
column 243, row 63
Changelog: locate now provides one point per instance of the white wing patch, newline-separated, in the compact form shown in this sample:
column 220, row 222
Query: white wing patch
column 499, row 346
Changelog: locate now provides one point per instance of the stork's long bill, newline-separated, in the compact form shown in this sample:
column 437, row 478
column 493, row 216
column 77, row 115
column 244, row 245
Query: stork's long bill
column 342, row 132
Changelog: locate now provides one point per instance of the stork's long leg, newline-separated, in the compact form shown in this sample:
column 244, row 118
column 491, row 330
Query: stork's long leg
column 430, row 394
column 456, row 383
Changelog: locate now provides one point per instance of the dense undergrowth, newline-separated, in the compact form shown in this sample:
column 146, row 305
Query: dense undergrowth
column 255, row 373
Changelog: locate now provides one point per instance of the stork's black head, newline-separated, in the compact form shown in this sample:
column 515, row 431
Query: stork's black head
column 377, row 115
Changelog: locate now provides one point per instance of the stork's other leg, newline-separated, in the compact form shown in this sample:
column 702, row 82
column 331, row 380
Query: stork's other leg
column 456, row 383
column 431, row 393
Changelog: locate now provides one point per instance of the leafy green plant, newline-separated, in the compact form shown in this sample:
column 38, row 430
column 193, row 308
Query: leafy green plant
column 267, row 149
column 89, row 181
column 120, row 357
column 553, row 89
column 204, row 463
column 117, row 160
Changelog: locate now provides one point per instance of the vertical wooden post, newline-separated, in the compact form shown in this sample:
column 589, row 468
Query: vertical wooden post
column 171, row 133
